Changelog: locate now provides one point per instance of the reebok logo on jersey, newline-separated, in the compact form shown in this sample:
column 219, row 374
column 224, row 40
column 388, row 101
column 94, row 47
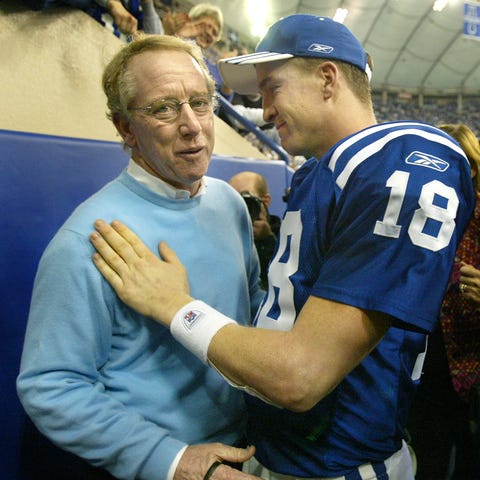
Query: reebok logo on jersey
column 190, row 317
column 316, row 47
column 426, row 160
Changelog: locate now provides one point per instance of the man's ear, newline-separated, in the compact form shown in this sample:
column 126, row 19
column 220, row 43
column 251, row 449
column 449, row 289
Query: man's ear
column 267, row 199
column 328, row 72
column 123, row 126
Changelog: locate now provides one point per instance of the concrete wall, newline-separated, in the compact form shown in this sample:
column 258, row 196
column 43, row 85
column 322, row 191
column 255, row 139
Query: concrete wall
column 51, row 64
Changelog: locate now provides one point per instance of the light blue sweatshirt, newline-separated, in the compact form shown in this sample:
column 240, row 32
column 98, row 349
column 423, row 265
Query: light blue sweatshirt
column 110, row 385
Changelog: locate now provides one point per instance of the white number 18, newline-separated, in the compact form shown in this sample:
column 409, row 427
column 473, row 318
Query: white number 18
column 388, row 227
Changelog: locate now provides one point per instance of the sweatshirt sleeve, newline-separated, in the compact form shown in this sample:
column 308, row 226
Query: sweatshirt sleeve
column 68, row 340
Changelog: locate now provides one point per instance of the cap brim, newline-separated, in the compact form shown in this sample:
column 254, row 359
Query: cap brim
column 239, row 72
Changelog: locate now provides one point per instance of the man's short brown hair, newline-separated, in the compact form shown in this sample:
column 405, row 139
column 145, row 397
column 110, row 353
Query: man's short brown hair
column 118, row 82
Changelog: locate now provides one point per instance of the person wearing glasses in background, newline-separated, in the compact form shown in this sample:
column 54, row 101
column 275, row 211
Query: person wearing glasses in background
column 100, row 380
column 204, row 25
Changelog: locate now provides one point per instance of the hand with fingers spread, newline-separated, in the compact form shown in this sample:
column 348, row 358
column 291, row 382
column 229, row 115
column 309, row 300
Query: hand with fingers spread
column 206, row 461
column 172, row 23
column 191, row 29
column 155, row 287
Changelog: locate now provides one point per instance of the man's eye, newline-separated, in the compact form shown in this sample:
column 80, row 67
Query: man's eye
column 163, row 108
column 199, row 102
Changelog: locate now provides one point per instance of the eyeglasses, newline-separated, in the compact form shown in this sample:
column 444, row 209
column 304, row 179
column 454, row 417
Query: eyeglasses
column 168, row 109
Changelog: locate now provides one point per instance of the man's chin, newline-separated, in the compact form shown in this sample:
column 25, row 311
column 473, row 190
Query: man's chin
column 291, row 148
column 288, row 147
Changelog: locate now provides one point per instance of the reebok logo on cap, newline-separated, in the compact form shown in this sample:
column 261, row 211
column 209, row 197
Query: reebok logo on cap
column 315, row 47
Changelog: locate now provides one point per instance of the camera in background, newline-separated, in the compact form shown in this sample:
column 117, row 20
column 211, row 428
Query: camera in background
column 254, row 205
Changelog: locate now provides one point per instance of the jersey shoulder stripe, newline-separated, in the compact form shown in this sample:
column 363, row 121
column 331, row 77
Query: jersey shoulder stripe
column 351, row 153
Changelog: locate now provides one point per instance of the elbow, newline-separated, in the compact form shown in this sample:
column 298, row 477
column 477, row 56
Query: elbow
column 299, row 401
column 27, row 394
column 22, row 390
column 299, row 390
column 300, row 406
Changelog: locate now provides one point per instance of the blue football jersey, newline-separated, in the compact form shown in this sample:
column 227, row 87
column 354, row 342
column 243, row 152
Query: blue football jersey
column 375, row 224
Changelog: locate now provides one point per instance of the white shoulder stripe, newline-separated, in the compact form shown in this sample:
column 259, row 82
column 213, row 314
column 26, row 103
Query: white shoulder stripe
column 363, row 134
column 375, row 147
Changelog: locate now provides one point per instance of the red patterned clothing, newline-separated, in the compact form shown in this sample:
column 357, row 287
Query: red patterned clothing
column 460, row 317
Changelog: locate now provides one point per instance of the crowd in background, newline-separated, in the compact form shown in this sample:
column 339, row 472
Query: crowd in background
column 435, row 110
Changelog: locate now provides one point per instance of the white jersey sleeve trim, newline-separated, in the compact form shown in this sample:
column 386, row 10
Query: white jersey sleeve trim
column 375, row 147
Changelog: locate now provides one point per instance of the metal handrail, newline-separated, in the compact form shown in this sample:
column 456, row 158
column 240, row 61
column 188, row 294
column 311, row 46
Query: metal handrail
column 251, row 127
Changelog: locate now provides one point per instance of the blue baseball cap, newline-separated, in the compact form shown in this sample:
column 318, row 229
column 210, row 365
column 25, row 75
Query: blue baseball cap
column 297, row 35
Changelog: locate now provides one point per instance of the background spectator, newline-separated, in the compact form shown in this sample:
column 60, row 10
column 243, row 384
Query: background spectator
column 254, row 189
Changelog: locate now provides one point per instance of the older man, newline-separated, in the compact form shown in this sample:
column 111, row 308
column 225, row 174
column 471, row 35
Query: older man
column 98, row 379
column 204, row 25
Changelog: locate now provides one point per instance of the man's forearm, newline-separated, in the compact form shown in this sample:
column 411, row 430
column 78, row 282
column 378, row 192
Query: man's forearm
column 297, row 368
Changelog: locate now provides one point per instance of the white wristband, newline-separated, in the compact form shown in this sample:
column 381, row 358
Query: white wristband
column 194, row 326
